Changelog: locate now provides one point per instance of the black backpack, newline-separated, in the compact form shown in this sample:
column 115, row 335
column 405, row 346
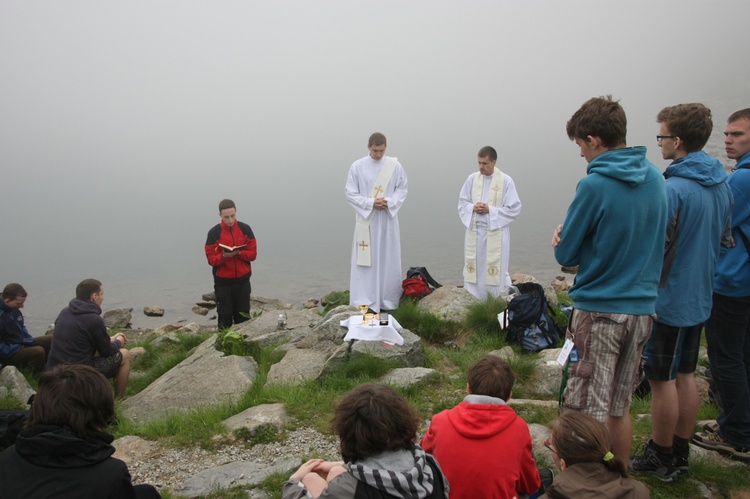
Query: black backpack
column 528, row 322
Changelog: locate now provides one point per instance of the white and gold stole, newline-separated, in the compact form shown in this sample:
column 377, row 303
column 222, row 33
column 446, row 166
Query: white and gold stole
column 363, row 224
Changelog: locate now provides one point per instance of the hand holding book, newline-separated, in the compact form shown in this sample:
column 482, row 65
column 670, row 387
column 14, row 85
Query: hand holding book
column 233, row 249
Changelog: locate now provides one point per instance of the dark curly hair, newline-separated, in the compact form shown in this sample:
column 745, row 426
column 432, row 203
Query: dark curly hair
column 374, row 418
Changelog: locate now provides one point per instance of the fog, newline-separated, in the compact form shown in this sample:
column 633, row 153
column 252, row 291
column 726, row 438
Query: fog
column 123, row 123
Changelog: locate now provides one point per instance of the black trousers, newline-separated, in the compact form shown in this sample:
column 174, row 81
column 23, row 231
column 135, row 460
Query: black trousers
column 232, row 300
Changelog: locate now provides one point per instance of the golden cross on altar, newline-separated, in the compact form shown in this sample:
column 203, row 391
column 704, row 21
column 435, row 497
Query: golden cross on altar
column 363, row 245
column 495, row 189
column 378, row 189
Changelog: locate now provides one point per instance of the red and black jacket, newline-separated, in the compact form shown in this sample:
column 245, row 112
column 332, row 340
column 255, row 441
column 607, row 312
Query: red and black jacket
column 227, row 270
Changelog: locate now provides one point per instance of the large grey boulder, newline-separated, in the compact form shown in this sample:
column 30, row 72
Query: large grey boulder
column 448, row 302
column 207, row 377
column 242, row 473
column 297, row 366
column 118, row 317
column 409, row 376
column 410, row 354
column 329, row 334
column 250, row 419
column 13, row 382
column 264, row 330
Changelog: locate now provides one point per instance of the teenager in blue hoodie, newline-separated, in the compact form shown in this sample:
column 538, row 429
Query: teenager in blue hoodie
column 699, row 203
column 728, row 327
column 614, row 232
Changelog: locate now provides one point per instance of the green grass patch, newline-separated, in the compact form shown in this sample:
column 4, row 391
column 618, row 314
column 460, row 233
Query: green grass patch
column 273, row 483
column 427, row 326
column 196, row 427
column 481, row 317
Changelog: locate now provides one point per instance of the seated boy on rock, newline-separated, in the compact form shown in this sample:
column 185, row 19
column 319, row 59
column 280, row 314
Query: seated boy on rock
column 483, row 447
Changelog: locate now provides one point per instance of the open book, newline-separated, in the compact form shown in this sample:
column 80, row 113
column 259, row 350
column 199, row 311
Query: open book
column 232, row 248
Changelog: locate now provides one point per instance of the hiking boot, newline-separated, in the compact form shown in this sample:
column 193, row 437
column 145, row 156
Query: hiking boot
column 649, row 461
column 714, row 441
column 680, row 460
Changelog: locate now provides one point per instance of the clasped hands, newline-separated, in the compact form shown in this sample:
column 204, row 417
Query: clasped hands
column 380, row 203
column 481, row 208
column 319, row 466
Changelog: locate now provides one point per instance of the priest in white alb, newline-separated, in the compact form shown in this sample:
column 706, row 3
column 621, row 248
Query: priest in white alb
column 376, row 188
column 487, row 204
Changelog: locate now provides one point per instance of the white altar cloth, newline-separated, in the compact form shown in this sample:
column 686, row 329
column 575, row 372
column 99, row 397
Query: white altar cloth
column 373, row 331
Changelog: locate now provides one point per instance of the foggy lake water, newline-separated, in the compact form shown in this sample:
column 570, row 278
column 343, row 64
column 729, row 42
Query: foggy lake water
column 123, row 124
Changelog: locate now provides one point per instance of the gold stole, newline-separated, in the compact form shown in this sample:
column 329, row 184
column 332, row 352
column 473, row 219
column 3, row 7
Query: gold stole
column 363, row 224
column 494, row 237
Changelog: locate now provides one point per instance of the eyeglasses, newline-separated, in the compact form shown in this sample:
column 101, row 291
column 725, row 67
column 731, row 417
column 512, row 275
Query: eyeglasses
column 547, row 444
column 660, row 137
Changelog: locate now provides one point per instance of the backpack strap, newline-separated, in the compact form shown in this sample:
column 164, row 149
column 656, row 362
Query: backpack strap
column 427, row 277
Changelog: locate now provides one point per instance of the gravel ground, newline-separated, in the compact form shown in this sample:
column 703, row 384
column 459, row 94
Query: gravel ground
column 169, row 467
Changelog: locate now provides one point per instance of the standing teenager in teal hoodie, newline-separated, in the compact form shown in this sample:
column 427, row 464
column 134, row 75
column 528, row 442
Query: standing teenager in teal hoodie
column 614, row 231
column 699, row 203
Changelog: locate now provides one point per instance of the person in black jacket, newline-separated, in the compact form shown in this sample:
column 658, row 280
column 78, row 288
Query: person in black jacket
column 81, row 337
column 63, row 451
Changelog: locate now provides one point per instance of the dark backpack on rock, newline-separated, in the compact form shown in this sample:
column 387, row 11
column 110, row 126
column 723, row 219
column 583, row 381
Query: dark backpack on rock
column 529, row 321
column 418, row 282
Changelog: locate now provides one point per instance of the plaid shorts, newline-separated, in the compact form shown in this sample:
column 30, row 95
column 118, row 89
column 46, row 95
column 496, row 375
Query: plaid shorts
column 609, row 347
column 108, row 366
column 670, row 350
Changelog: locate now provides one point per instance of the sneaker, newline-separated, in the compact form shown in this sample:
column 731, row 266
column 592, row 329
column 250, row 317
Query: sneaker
column 714, row 441
column 712, row 427
column 649, row 461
